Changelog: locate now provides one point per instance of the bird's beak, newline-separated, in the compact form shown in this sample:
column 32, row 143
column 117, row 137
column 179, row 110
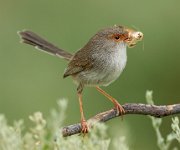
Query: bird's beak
column 133, row 37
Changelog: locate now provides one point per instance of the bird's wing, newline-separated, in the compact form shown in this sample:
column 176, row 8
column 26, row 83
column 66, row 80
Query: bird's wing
column 78, row 63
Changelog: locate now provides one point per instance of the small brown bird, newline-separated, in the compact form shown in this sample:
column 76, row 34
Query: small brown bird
column 98, row 63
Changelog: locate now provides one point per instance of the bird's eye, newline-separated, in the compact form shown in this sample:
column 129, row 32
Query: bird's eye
column 117, row 37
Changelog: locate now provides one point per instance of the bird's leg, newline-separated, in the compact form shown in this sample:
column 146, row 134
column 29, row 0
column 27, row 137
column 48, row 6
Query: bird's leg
column 118, row 107
column 84, row 126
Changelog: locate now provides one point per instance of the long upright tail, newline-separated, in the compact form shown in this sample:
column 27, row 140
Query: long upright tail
column 35, row 40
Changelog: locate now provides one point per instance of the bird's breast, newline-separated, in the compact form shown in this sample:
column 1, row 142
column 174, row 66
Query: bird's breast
column 107, row 67
column 113, row 67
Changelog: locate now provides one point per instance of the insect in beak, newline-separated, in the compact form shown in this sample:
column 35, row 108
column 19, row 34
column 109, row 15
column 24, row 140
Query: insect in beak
column 133, row 37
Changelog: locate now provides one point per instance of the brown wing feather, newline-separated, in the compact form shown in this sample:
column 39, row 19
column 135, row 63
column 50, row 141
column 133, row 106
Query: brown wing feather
column 79, row 62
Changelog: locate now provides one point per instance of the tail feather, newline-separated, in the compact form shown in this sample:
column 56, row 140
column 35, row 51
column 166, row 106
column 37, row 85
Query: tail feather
column 35, row 40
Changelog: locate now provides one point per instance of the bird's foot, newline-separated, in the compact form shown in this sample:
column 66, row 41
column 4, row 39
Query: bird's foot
column 120, row 110
column 84, row 126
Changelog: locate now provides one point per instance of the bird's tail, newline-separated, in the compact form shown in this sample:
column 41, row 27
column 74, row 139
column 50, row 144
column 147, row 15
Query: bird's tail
column 35, row 40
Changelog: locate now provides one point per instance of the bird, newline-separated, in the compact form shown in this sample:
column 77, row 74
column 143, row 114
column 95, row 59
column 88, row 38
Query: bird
column 98, row 63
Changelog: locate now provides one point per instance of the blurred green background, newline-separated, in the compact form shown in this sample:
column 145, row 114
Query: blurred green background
column 32, row 81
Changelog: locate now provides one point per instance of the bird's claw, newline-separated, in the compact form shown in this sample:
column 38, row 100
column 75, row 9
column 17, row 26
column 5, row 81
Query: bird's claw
column 120, row 110
column 84, row 127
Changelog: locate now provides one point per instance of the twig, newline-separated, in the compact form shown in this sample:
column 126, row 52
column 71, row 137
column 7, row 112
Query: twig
column 130, row 108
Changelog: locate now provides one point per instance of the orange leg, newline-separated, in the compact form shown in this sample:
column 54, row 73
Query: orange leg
column 118, row 107
column 84, row 125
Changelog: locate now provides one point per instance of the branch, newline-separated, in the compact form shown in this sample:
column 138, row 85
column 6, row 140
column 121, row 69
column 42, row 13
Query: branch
column 130, row 108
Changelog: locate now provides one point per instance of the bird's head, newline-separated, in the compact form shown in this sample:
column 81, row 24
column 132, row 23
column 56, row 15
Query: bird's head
column 118, row 35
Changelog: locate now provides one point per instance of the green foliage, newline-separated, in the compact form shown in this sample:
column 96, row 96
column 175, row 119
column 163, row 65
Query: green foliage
column 176, row 129
column 164, row 143
column 45, row 134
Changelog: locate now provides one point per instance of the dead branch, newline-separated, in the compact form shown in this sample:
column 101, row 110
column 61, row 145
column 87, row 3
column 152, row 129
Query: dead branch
column 130, row 108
